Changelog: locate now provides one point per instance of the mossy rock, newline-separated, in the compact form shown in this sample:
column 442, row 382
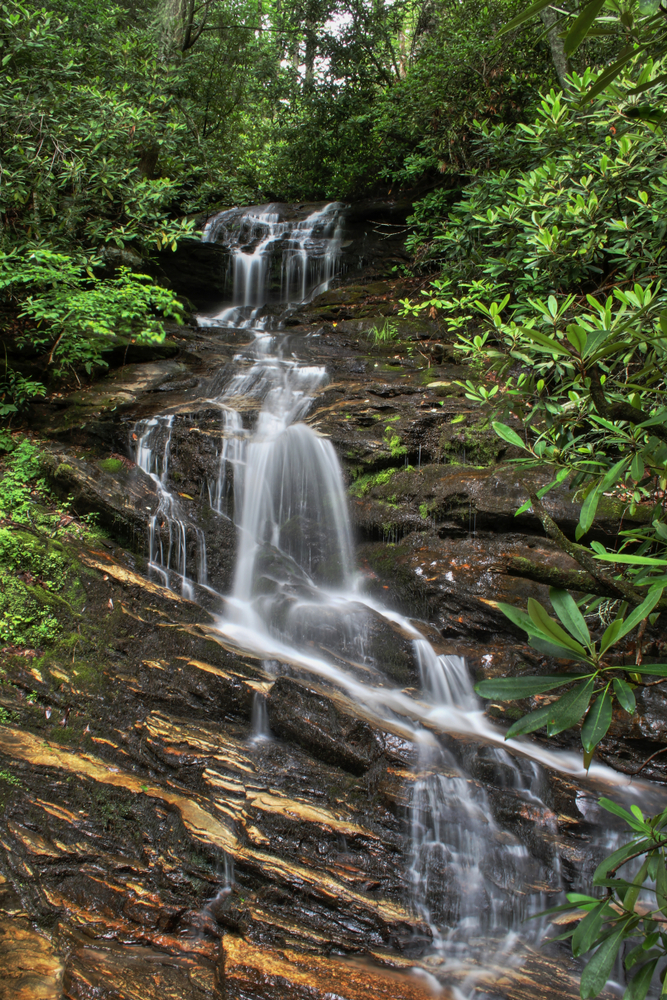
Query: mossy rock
column 111, row 465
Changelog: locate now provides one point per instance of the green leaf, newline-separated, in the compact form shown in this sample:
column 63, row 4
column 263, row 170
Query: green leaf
column 610, row 73
column 610, row 634
column 597, row 722
column 568, row 710
column 598, row 970
column 588, row 929
column 507, row 434
column 525, row 15
column 657, row 418
column 650, row 669
column 639, row 954
column 506, row 688
column 641, row 611
column 552, row 629
column 521, row 619
column 528, row 723
column 661, row 884
column 613, row 474
column 587, row 513
column 637, row 468
column 640, row 983
column 590, row 504
column 632, row 894
column 550, row 649
column 540, row 338
column 625, row 695
column 626, row 560
column 582, row 23
column 566, row 608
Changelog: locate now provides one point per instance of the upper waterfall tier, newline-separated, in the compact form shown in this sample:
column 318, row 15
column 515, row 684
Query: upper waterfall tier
column 278, row 256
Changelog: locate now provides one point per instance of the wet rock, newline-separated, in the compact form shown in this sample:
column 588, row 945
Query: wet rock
column 462, row 499
column 124, row 499
column 456, row 583
column 306, row 716
column 356, row 636
column 263, row 974
column 31, row 970
column 197, row 270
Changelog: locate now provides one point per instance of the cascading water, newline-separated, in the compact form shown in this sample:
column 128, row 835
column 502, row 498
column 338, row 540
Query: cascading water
column 170, row 530
column 275, row 259
column 297, row 599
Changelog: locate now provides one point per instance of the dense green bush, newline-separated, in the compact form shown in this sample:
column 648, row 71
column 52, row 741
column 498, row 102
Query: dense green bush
column 577, row 198
column 558, row 263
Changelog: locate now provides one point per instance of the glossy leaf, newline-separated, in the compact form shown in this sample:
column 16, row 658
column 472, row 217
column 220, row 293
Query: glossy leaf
column 610, row 635
column 632, row 894
column 650, row 669
column 528, row 723
column 598, row 970
column 625, row 695
column 640, row 983
column 525, row 15
column 661, row 884
column 521, row 619
column 550, row 649
column 549, row 342
column 630, row 818
column 610, row 74
column 552, row 629
column 627, row 560
column 640, row 954
column 597, row 722
column 587, row 513
column 637, row 468
column 642, row 611
column 618, row 857
column 566, row 608
column 581, row 26
column 507, row 434
column 568, row 710
column 505, row 688
column 587, row 930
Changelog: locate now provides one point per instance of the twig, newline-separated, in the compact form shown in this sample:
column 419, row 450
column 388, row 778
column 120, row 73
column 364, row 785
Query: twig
column 579, row 553
column 664, row 750
column 638, row 645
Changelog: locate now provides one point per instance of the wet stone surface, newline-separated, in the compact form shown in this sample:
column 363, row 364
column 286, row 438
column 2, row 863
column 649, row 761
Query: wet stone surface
column 159, row 845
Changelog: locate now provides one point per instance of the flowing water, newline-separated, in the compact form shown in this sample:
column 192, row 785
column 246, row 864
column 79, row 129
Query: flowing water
column 297, row 599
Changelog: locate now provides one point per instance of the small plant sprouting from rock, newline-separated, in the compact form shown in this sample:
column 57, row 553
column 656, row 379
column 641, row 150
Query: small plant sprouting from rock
column 385, row 333
column 591, row 691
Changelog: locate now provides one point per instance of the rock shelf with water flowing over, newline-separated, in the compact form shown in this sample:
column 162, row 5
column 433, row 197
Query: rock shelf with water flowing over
column 262, row 772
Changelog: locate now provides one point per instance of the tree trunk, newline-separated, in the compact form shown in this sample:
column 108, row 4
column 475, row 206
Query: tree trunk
column 311, row 48
column 561, row 64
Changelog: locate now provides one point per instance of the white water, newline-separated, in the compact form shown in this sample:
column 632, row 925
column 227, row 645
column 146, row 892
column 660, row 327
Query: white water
column 275, row 259
column 170, row 529
column 296, row 594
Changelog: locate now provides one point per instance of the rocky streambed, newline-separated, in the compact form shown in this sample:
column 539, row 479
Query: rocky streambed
column 197, row 819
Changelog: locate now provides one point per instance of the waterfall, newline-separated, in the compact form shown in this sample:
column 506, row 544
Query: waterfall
column 275, row 259
column 170, row 530
column 298, row 604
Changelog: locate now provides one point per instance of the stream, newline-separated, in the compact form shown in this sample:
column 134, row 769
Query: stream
column 299, row 604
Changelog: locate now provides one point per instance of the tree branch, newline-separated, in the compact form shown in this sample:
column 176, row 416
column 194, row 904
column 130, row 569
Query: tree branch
column 581, row 554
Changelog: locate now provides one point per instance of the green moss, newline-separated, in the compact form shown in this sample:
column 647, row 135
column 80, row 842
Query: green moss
column 363, row 484
column 478, row 440
column 40, row 594
column 111, row 465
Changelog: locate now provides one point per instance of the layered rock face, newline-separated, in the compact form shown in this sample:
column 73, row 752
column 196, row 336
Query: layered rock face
column 212, row 809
